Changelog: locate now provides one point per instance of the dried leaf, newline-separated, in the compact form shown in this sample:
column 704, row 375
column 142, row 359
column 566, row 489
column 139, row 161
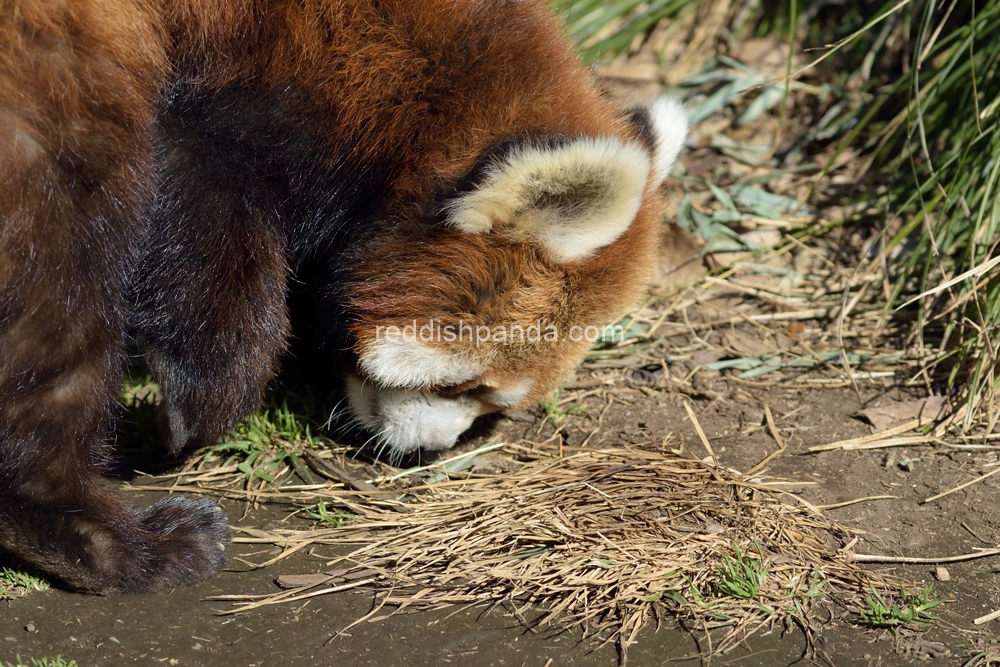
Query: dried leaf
column 885, row 417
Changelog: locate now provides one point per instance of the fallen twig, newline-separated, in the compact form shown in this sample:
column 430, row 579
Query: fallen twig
column 911, row 560
column 961, row 486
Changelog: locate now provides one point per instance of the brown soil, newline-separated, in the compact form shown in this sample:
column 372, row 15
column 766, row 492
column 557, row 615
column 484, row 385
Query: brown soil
column 180, row 628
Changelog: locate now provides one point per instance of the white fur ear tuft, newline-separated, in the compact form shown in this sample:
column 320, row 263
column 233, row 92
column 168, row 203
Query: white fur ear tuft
column 575, row 197
column 669, row 125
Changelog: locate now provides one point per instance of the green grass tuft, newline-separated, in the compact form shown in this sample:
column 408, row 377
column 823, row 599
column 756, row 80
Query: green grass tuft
column 17, row 583
column 911, row 609
column 266, row 445
column 330, row 517
column 555, row 413
column 57, row 661
column 604, row 28
column 742, row 575
column 937, row 152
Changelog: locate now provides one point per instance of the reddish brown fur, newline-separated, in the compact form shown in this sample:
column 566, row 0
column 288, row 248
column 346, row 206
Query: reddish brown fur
column 384, row 105
column 482, row 280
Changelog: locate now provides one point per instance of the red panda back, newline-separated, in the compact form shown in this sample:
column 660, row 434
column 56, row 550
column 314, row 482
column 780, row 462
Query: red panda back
column 432, row 82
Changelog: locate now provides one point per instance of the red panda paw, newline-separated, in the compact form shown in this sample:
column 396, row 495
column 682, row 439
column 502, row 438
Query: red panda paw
column 188, row 539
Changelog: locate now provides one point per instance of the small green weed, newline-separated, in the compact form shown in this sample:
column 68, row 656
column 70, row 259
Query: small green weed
column 554, row 412
column 138, row 429
column 331, row 517
column 912, row 610
column 815, row 588
column 16, row 583
column 742, row 576
column 266, row 445
column 803, row 592
column 57, row 661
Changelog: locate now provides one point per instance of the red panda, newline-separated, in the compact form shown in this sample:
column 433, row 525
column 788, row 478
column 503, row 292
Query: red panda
column 176, row 170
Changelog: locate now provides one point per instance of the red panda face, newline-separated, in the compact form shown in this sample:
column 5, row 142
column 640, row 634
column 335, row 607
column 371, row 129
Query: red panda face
column 544, row 244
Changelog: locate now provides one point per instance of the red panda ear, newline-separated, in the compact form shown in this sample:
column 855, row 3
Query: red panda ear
column 574, row 197
column 668, row 125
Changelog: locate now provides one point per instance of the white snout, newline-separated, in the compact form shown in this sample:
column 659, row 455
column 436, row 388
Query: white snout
column 411, row 419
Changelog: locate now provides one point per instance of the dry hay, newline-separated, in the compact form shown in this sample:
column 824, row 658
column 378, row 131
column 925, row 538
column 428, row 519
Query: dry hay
column 600, row 540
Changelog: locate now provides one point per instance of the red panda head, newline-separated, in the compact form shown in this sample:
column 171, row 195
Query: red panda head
column 495, row 303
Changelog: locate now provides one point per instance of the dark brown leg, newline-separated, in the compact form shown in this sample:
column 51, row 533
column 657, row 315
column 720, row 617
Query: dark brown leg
column 211, row 312
column 75, row 177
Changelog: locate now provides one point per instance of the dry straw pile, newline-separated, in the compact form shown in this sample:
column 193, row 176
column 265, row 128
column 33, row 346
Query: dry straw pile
column 599, row 540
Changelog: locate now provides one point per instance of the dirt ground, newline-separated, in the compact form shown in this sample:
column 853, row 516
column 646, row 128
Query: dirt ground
column 181, row 628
